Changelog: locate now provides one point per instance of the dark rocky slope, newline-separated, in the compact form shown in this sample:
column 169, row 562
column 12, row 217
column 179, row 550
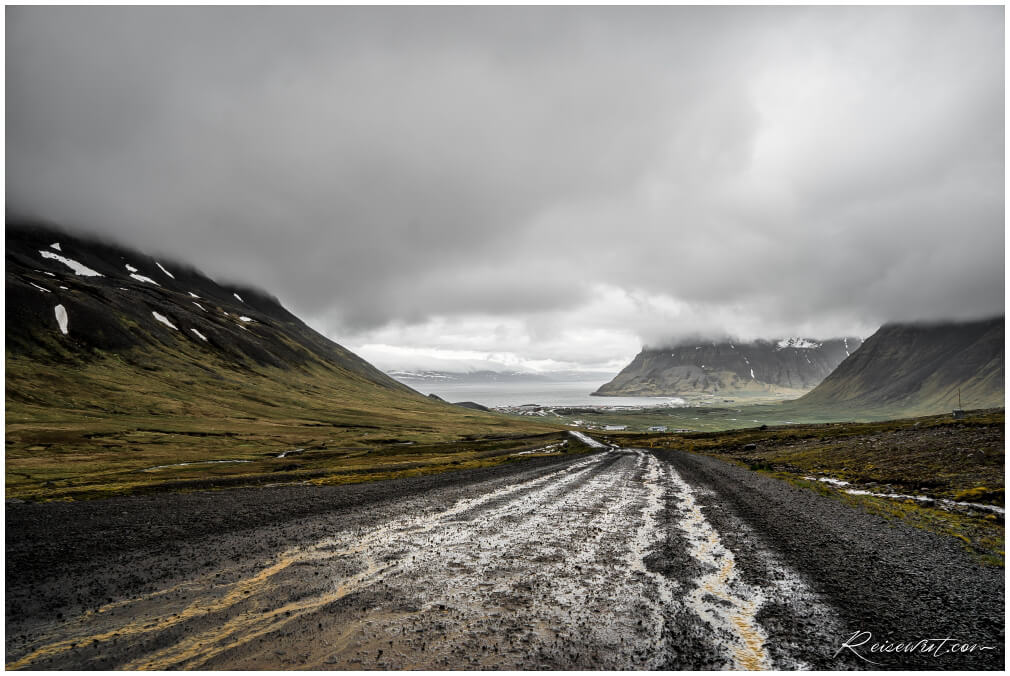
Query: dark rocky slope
column 110, row 295
column 788, row 365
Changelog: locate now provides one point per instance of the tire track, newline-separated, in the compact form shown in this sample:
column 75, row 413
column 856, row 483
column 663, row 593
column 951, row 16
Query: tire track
column 546, row 572
column 235, row 599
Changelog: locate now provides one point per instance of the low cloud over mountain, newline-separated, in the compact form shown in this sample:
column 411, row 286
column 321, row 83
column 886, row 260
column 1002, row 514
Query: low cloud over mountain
column 623, row 174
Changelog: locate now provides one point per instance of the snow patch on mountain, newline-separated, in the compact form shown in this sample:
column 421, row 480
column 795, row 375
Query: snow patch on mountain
column 61, row 318
column 164, row 270
column 164, row 320
column 78, row 268
column 142, row 278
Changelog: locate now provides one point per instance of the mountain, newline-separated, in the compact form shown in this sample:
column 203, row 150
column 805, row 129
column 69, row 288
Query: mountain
column 789, row 365
column 120, row 365
column 76, row 298
column 918, row 368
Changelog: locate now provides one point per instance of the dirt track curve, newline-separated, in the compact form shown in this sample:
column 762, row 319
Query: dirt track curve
column 620, row 559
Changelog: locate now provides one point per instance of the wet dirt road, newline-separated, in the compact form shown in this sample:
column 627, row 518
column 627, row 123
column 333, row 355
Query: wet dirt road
column 606, row 561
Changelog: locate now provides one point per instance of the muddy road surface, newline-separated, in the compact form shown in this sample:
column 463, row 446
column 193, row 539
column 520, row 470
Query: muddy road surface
column 622, row 559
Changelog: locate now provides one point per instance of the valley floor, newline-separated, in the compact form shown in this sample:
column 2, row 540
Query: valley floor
column 624, row 558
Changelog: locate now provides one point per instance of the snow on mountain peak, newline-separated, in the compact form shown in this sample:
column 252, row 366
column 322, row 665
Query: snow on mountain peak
column 798, row 343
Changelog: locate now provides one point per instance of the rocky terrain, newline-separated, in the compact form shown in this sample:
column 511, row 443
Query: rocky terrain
column 625, row 558
column 786, row 366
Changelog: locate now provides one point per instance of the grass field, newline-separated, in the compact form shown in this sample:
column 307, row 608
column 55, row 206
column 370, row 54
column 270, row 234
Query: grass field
column 714, row 417
column 80, row 430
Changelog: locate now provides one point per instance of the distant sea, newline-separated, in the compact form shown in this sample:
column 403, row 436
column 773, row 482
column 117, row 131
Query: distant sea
column 545, row 393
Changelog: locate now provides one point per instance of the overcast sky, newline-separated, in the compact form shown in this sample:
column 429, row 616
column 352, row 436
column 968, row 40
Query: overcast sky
column 540, row 188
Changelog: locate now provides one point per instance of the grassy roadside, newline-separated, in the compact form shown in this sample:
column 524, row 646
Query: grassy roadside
column 319, row 464
column 108, row 427
column 933, row 456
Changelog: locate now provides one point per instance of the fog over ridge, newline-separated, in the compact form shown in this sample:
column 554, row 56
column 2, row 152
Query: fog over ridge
column 546, row 187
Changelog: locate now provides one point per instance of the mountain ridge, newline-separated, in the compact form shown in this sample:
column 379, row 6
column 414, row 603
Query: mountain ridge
column 241, row 323
column 759, row 367
column 919, row 367
column 125, row 372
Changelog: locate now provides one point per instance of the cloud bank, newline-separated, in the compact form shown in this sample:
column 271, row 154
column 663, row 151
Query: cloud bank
column 551, row 185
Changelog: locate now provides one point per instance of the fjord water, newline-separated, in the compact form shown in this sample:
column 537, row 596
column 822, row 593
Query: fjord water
column 545, row 393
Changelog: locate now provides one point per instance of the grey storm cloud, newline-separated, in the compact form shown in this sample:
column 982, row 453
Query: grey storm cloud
column 756, row 169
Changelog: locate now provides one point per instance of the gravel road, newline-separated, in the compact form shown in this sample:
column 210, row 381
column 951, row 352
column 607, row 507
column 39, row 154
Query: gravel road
column 615, row 560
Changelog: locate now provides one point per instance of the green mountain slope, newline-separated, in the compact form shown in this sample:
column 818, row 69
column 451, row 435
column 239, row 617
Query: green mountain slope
column 918, row 369
column 124, row 371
